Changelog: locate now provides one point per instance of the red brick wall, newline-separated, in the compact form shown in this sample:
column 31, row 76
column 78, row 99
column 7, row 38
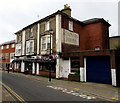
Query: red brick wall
column 94, row 35
column 91, row 36
column 4, row 51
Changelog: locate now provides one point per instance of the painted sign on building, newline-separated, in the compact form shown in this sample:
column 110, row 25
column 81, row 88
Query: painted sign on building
column 70, row 37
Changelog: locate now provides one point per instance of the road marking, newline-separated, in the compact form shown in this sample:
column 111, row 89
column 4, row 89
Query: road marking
column 15, row 94
column 83, row 95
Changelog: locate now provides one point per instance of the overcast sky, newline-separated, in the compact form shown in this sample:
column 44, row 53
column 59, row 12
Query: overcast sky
column 16, row 14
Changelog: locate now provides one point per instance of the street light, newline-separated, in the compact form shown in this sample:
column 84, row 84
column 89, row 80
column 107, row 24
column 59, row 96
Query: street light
column 51, row 33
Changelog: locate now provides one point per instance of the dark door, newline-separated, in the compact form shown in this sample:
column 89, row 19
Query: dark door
column 98, row 70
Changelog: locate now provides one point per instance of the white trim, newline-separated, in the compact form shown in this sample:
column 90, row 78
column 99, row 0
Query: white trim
column 33, row 69
column 23, row 42
column 38, row 37
column 37, row 69
column 113, row 75
column 58, row 33
column 69, row 65
column 84, row 70
column 81, row 74
column 22, row 66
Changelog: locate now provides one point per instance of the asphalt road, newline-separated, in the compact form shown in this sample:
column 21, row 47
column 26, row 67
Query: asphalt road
column 31, row 90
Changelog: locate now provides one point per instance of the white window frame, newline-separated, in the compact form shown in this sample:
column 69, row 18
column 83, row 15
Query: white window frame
column 31, row 46
column 18, row 49
column 46, row 42
column 2, row 47
column 13, row 45
column 71, row 25
column 7, row 46
column 47, row 26
column 27, row 47
column 43, row 43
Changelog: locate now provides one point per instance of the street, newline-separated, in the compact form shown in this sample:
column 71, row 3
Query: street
column 32, row 90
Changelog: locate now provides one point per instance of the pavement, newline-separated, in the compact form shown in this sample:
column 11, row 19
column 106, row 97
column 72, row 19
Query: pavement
column 102, row 91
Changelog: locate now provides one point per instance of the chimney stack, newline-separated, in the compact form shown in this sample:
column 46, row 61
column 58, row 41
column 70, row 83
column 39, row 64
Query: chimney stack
column 67, row 10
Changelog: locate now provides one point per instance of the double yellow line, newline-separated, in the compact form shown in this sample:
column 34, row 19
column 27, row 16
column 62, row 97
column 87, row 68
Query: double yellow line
column 13, row 93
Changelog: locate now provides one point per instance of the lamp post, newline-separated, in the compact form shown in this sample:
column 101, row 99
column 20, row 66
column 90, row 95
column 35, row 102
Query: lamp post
column 51, row 32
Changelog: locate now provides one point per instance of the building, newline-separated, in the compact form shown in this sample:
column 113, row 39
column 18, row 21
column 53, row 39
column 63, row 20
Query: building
column 115, row 42
column 7, row 53
column 53, row 36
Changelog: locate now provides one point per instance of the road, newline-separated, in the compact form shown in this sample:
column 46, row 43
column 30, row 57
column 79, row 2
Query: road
column 33, row 90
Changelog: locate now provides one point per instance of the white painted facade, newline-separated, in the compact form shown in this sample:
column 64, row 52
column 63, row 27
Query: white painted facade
column 113, row 75
column 62, row 68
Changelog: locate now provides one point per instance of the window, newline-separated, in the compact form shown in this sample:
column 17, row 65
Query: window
column 18, row 48
column 47, row 26
column 12, row 55
column 27, row 46
column 46, row 42
column 19, row 38
column 2, row 47
column 7, row 46
column 13, row 45
column 43, row 43
column 6, row 55
column 31, row 32
column 97, row 48
column 31, row 46
column 71, row 25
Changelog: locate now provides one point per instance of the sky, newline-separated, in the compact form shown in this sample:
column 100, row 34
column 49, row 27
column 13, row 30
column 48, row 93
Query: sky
column 17, row 14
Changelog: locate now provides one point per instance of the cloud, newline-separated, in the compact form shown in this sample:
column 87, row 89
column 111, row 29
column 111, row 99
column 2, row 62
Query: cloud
column 16, row 14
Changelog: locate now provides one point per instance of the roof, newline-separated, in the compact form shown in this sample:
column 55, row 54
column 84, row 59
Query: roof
column 8, row 42
column 86, row 22
column 95, row 20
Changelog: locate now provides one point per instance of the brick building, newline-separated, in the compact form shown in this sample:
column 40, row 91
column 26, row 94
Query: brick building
column 56, row 35
column 7, row 52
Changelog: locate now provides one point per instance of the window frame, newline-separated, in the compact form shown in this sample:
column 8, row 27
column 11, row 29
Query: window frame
column 7, row 46
column 70, row 25
column 47, row 25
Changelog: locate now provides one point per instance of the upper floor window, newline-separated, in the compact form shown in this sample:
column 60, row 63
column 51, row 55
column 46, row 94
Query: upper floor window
column 43, row 43
column 47, row 26
column 71, row 25
column 19, row 38
column 30, row 46
column 13, row 45
column 7, row 46
column 2, row 47
column 31, row 32
column 18, row 48
column 6, row 55
column 46, row 43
